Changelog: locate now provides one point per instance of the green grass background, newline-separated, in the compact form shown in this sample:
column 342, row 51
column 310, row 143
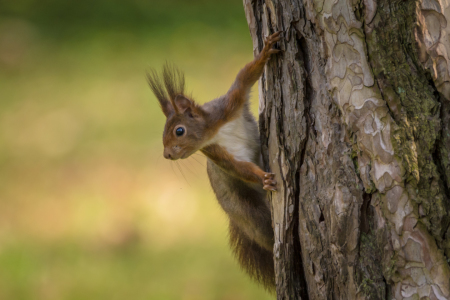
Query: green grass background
column 89, row 208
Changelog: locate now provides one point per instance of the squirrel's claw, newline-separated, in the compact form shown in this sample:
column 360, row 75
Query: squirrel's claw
column 270, row 188
column 269, row 183
column 269, row 42
column 272, row 39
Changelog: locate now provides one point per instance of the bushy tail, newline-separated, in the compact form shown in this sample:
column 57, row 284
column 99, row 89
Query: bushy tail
column 255, row 260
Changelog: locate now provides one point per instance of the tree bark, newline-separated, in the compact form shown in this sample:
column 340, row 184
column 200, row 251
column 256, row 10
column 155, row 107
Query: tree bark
column 355, row 123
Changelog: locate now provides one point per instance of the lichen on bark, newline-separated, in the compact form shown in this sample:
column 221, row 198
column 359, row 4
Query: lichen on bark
column 393, row 58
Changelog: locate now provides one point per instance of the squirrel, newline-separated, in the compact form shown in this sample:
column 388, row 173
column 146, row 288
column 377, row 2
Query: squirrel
column 225, row 131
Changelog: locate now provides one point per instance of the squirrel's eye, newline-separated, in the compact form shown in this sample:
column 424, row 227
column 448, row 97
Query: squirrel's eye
column 179, row 131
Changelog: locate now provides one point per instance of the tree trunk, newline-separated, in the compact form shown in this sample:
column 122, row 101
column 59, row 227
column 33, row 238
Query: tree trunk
column 355, row 123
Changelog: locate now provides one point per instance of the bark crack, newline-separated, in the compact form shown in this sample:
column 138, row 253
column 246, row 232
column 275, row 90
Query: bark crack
column 364, row 223
column 437, row 158
column 307, row 99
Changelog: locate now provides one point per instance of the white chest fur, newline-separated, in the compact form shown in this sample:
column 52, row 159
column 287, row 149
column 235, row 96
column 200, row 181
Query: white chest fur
column 235, row 139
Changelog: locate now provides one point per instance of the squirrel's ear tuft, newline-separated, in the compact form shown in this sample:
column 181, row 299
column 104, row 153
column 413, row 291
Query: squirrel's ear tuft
column 182, row 103
column 173, row 80
column 158, row 89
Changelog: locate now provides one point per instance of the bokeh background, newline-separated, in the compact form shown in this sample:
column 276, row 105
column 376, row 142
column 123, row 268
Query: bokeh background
column 89, row 208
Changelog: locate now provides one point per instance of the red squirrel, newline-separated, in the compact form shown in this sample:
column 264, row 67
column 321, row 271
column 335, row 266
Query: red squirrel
column 225, row 131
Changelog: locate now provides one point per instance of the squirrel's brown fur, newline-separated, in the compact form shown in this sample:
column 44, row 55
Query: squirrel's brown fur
column 226, row 132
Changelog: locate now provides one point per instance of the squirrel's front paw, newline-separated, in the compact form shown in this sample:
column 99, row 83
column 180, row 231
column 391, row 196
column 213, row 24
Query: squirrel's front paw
column 269, row 42
column 269, row 183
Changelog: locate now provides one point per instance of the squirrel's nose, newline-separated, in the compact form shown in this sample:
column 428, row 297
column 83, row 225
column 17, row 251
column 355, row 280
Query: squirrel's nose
column 167, row 155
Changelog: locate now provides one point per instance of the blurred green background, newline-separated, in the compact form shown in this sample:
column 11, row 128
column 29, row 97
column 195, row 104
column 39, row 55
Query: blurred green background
column 89, row 208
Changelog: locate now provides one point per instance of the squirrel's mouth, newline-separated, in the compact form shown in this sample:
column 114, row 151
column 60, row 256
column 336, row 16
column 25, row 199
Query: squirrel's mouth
column 186, row 154
column 177, row 157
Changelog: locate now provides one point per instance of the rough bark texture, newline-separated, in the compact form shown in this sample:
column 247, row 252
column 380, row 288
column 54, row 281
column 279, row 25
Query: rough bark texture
column 355, row 122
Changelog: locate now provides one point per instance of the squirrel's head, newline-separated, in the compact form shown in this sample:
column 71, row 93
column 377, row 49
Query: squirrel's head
column 184, row 132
